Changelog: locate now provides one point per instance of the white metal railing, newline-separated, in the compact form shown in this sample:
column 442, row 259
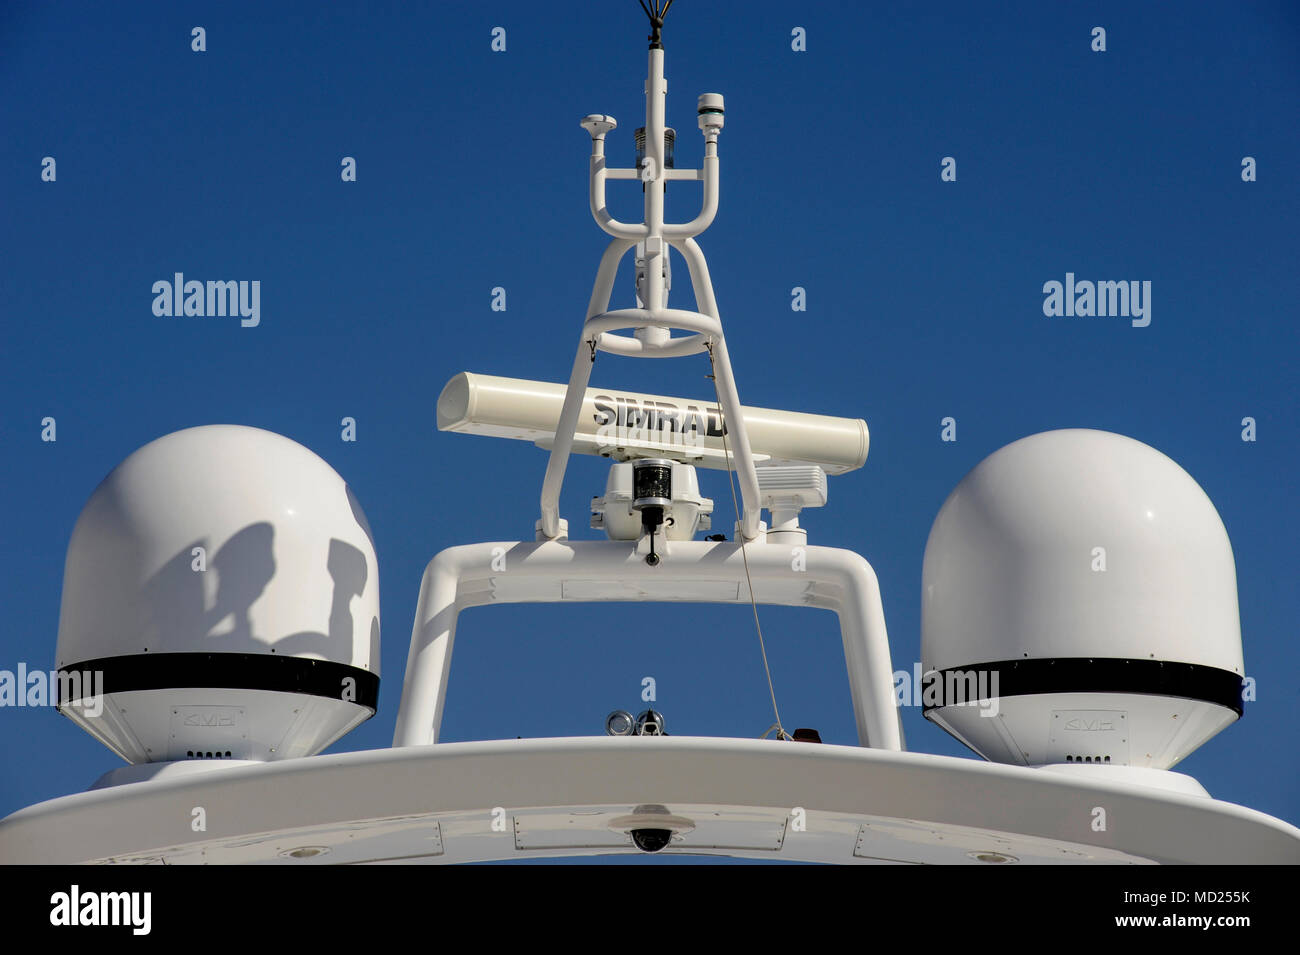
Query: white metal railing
column 693, row 571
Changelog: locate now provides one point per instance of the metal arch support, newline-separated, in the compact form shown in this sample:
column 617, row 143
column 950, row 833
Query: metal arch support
column 470, row 575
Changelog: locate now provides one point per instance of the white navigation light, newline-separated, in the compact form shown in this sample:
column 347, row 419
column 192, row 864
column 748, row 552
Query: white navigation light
column 1079, row 605
column 221, row 586
column 624, row 425
column 670, row 140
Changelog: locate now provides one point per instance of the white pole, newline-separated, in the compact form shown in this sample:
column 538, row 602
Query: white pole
column 428, row 662
column 656, row 91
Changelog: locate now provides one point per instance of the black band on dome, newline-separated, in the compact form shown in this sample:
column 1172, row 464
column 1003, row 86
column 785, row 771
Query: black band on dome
column 1191, row 681
column 232, row 671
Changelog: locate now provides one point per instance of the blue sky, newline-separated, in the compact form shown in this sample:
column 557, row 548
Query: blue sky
column 924, row 299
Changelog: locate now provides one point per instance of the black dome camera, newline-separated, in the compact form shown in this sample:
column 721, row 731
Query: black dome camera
column 651, row 840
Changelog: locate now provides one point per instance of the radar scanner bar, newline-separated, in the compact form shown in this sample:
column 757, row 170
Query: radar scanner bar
column 625, row 425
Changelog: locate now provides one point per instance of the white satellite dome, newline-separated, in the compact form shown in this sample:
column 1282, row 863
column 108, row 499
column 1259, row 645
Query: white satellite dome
column 1079, row 605
column 222, row 584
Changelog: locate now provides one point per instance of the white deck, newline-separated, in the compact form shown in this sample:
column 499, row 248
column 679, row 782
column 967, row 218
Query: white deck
column 434, row 804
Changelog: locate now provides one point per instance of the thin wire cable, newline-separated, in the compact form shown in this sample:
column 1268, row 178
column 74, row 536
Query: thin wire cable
column 735, row 506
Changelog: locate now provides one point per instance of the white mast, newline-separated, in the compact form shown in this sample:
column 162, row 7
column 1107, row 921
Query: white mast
column 654, row 320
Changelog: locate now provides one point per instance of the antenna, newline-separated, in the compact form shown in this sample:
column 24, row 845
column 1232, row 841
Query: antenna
column 652, row 321
column 656, row 12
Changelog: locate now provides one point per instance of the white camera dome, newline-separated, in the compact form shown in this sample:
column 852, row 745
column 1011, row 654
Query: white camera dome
column 220, row 599
column 1079, row 605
